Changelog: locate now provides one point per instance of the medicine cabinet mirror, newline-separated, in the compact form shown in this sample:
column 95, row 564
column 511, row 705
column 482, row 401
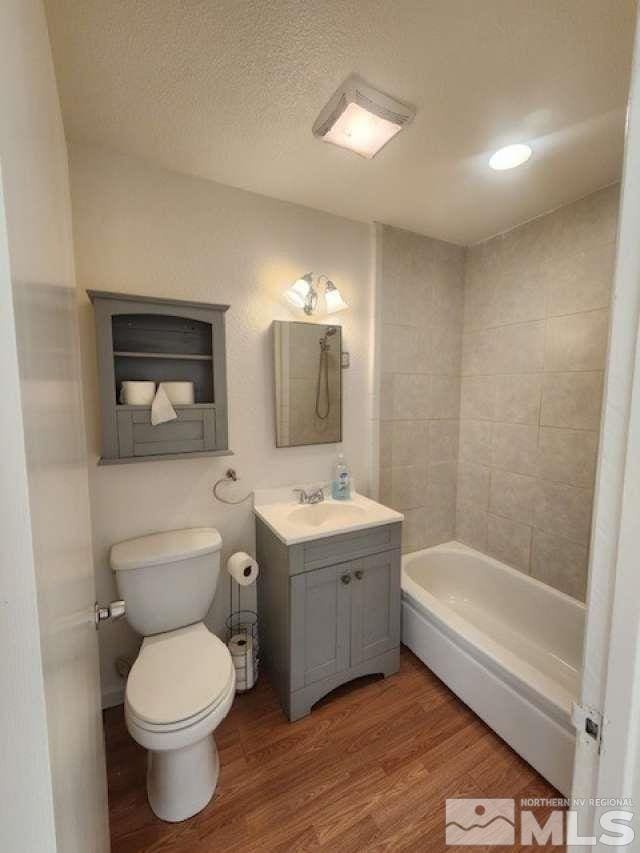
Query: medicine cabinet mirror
column 308, row 383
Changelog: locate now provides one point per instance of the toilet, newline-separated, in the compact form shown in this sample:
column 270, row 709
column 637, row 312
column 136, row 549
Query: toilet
column 182, row 683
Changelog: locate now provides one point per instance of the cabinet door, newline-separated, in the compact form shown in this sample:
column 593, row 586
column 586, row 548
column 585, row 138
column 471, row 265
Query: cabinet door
column 375, row 606
column 320, row 622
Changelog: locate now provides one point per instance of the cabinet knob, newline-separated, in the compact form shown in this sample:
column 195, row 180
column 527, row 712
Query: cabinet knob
column 359, row 574
column 346, row 578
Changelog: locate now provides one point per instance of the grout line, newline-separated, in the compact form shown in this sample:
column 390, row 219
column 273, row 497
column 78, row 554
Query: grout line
column 461, row 507
column 536, row 477
column 545, row 319
column 540, row 372
column 526, row 424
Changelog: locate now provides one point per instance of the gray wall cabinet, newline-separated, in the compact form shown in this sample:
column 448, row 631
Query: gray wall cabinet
column 140, row 338
column 329, row 611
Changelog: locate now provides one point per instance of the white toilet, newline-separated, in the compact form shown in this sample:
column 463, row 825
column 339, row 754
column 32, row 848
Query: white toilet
column 182, row 683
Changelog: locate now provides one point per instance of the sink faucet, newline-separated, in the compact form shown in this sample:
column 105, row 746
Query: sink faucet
column 313, row 496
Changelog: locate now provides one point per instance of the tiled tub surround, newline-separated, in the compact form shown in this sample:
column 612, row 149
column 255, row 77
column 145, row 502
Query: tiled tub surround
column 421, row 294
column 534, row 349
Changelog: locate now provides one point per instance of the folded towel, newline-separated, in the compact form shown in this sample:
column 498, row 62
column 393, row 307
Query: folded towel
column 161, row 408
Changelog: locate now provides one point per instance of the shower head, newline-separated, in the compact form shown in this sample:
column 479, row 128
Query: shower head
column 324, row 343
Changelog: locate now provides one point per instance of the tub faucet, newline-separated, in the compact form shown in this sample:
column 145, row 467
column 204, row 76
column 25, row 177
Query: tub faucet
column 314, row 496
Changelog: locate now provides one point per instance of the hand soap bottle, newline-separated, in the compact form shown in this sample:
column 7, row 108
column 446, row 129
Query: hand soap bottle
column 341, row 483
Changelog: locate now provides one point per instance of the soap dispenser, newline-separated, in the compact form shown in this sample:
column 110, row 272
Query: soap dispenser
column 341, row 483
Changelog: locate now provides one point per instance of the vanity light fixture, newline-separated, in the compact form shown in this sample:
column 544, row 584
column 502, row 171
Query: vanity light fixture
column 510, row 156
column 360, row 118
column 304, row 294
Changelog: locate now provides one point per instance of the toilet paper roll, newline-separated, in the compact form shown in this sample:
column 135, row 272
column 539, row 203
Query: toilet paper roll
column 242, row 568
column 241, row 648
column 179, row 393
column 135, row 393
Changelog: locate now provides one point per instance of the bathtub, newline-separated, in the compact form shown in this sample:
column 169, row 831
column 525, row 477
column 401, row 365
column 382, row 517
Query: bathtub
column 509, row 646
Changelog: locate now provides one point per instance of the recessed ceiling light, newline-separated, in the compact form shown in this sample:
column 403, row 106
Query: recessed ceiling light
column 510, row 156
column 361, row 119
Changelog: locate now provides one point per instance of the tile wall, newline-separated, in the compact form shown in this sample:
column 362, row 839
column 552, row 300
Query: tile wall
column 421, row 295
column 534, row 346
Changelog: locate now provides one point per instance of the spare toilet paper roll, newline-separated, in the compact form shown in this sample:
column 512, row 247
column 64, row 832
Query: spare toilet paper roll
column 242, row 568
column 134, row 393
column 161, row 408
column 179, row 393
column 241, row 648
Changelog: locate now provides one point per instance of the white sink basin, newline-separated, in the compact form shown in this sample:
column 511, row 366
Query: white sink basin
column 292, row 522
column 317, row 515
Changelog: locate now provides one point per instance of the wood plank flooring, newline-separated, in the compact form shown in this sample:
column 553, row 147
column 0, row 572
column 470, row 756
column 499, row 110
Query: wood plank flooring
column 368, row 770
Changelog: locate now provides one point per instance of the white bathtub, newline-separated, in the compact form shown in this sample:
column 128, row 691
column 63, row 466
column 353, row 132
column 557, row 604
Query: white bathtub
column 509, row 646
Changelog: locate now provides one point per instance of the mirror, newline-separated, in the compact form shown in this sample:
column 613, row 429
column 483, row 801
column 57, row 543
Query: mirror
column 308, row 383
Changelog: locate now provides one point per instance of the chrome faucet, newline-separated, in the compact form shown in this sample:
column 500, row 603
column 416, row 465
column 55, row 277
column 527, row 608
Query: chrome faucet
column 314, row 496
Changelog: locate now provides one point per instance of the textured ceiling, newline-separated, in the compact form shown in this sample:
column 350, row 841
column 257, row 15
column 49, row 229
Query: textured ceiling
column 229, row 90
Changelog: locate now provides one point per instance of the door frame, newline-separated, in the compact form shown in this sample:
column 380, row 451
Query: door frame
column 26, row 794
column 611, row 663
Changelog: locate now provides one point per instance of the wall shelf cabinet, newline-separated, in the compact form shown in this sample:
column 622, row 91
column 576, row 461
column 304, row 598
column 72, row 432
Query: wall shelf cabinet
column 161, row 340
column 172, row 355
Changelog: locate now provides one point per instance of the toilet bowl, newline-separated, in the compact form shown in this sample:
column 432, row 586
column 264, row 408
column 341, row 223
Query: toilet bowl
column 179, row 690
column 182, row 684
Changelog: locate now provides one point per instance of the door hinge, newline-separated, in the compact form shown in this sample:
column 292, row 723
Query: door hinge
column 588, row 722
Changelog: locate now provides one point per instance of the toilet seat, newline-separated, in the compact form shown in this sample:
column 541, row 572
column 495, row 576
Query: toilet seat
column 178, row 679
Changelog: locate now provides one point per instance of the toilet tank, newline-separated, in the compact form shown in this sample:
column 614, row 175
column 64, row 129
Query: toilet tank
column 167, row 580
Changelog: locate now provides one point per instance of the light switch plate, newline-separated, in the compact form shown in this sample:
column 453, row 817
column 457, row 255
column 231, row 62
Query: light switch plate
column 345, row 360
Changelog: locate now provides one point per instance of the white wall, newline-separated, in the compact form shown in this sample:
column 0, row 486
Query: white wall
column 140, row 229
column 54, row 761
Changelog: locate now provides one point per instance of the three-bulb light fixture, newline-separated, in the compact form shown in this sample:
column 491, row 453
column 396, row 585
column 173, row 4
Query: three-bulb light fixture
column 305, row 294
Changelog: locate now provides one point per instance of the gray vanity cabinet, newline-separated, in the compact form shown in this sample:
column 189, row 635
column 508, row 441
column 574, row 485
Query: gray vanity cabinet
column 375, row 611
column 320, row 623
column 329, row 611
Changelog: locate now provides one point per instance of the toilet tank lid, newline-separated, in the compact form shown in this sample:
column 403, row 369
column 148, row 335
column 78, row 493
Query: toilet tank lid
column 168, row 547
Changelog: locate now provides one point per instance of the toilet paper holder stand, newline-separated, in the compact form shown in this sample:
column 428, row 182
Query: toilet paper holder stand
column 242, row 628
column 242, row 637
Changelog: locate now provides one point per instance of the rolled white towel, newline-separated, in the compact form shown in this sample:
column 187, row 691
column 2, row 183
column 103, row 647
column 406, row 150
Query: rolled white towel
column 179, row 393
column 136, row 393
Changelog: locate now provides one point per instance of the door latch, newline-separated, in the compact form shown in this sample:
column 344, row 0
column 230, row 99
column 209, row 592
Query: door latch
column 112, row 611
column 588, row 721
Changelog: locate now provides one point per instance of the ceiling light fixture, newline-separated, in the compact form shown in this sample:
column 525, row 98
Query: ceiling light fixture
column 303, row 294
column 510, row 156
column 360, row 118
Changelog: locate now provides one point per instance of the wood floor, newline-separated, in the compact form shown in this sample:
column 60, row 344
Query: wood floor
column 368, row 770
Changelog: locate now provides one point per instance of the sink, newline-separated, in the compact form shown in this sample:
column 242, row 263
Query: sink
column 316, row 515
column 293, row 522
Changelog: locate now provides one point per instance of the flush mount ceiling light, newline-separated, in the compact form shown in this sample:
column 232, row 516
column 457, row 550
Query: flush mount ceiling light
column 361, row 119
column 303, row 294
column 510, row 156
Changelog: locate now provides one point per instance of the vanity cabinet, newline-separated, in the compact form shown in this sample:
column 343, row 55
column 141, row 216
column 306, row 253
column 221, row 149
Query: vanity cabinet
column 329, row 611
